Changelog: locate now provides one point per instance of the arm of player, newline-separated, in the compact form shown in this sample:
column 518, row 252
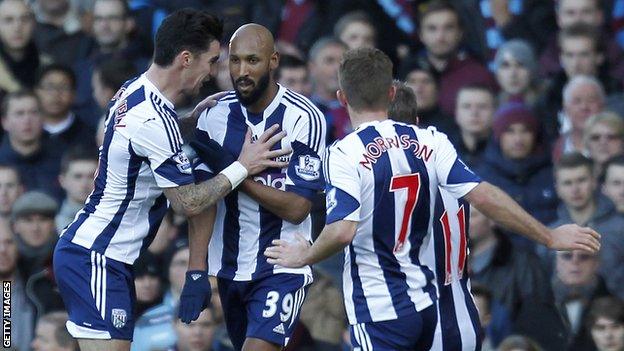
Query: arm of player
column 333, row 238
column 197, row 292
column 497, row 205
column 192, row 199
column 284, row 204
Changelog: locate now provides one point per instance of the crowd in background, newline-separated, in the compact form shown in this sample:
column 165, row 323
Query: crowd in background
column 530, row 92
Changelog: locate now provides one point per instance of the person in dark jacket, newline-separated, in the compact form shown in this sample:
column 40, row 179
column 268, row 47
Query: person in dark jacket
column 56, row 89
column 24, row 147
column 516, row 162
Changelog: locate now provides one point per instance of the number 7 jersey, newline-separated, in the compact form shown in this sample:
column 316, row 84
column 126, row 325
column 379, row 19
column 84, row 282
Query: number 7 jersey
column 386, row 176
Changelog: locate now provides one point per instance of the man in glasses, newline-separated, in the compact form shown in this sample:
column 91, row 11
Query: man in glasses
column 581, row 204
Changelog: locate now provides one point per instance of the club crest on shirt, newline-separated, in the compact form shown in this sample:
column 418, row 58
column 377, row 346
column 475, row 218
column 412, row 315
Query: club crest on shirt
column 308, row 168
column 118, row 317
column 182, row 162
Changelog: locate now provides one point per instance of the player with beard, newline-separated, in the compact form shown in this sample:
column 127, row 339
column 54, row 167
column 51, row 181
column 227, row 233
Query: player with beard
column 261, row 301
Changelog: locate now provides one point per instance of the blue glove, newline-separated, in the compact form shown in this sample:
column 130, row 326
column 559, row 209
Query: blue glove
column 195, row 296
column 213, row 154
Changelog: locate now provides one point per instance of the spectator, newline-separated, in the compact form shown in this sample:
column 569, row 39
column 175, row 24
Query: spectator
column 23, row 316
column 196, row 336
column 576, row 285
column 19, row 57
column 585, row 12
column 474, row 114
column 58, row 31
column 322, row 312
column 441, row 33
column 581, row 54
column 51, row 334
column 293, row 73
column 166, row 235
column 10, row 189
column 108, row 77
column 324, row 60
column 603, row 137
column 78, row 167
column 424, row 84
column 576, row 187
column 483, row 300
column 147, row 283
column 32, row 221
column 517, row 162
column 25, row 148
column 55, row 88
column 112, row 29
column 516, row 73
column 356, row 30
column 514, row 275
column 582, row 97
column 606, row 323
column 613, row 182
column 519, row 343
column 154, row 329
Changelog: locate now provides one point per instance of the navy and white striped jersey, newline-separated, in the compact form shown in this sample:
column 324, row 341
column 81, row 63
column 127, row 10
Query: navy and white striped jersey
column 140, row 156
column 458, row 320
column 243, row 228
column 386, row 176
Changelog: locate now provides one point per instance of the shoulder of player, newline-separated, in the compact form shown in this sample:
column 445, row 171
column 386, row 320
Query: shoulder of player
column 349, row 146
column 221, row 108
column 297, row 103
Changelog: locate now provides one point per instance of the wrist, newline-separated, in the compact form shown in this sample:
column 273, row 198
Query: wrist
column 235, row 173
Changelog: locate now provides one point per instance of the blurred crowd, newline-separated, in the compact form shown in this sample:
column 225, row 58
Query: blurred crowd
column 530, row 92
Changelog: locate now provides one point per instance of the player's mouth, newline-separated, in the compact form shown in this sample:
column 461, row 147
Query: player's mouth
column 245, row 84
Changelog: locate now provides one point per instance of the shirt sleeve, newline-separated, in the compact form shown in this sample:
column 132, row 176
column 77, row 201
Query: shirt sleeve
column 160, row 142
column 453, row 174
column 303, row 175
column 343, row 187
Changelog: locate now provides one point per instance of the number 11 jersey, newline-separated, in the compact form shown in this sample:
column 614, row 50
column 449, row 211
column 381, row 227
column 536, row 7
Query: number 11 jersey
column 386, row 176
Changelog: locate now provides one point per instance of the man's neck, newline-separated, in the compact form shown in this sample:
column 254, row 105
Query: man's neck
column 577, row 139
column 439, row 62
column 16, row 54
column 358, row 118
column 488, row 241
column 582, row 215
column 54, row 120
column 265, row 100
column 57, row 20
column 471, row 140
column 107, row 49
column 26, row 149
column 10, row 276
column 166, row 81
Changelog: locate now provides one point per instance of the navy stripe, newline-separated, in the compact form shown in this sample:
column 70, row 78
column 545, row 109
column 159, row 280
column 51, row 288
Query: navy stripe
column 315, row 118
column 155, row 216
column 451, row 335
column 174, row 117
column 384, row 230
column 309, row 141
column 422, row 211
column 229, row 95
column 169, row 137
column 318, row 124
column 104, row 238
column 233, row 142
column 362, row 313
column 470, row 305
column 134, row 99
column 270, row 224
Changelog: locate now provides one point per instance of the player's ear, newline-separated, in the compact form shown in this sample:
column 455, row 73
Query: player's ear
column 392, row 92
column 342, row 98
column 274, row 61
column 185, row 58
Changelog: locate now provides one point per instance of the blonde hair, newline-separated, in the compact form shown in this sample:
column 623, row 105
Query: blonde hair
column 614, row 121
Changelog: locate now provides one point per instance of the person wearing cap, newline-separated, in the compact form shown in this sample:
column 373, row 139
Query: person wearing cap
column 516, row 161
column 516, row 73
column 32, row 221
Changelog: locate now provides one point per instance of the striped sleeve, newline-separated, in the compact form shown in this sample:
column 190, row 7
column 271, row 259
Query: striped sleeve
column 156, row 142
column 343, row 187
column 452, row 173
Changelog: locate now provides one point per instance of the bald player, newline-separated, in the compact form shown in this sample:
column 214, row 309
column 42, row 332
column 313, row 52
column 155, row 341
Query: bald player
column 261, row 301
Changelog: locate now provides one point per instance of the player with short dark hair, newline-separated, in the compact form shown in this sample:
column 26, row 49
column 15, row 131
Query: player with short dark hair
column 142, row 169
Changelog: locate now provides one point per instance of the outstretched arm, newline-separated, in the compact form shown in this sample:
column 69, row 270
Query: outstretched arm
column 497, row 205
column 333, row 238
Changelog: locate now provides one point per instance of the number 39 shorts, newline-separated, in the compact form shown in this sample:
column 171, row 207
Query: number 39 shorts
column 266, row 309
